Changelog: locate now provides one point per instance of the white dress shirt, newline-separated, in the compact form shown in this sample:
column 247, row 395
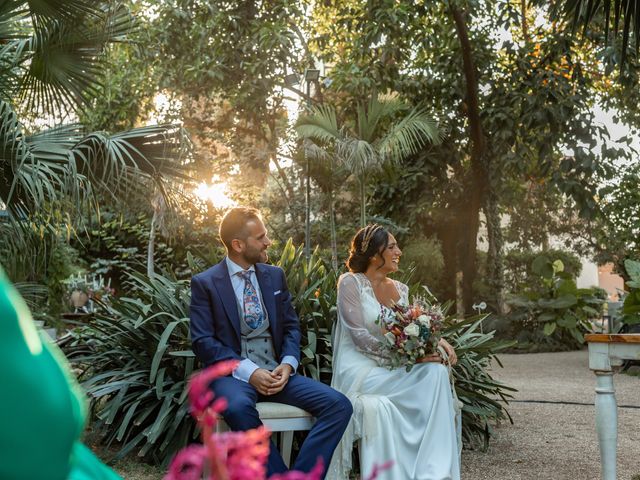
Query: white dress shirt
column 247, row 367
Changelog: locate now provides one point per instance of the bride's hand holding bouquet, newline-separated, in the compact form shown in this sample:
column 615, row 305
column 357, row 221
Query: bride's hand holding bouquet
column 413, row 335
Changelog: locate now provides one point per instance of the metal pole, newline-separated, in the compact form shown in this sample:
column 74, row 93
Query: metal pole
column 307, row 197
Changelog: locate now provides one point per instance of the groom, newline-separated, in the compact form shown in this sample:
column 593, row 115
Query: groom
column 241, row 309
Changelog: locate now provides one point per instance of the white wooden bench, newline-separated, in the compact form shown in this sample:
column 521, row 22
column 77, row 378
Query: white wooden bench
column 282, row 419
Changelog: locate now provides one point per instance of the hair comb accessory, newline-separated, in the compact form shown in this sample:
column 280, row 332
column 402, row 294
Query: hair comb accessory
column 369, row 232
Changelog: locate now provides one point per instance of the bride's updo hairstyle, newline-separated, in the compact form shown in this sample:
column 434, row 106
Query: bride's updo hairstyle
column 366, row 243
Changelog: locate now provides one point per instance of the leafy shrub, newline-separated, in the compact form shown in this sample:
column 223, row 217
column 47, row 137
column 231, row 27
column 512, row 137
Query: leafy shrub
column 39, row 256
column 313, row 289
column 631, row 306
column 117, row 243
column 476, row 388
column 136, row 359
column 554, row 307
column 519, row 272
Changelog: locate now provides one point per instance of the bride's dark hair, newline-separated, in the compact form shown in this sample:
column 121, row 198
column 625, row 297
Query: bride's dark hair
column 365, row 244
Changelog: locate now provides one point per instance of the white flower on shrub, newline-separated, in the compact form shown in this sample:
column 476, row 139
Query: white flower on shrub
column 412, row 330
column 424, row 320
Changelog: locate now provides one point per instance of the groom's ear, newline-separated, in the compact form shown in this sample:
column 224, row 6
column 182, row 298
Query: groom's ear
column 237, row 245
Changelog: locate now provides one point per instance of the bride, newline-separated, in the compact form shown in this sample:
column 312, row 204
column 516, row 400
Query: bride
column 406, row 417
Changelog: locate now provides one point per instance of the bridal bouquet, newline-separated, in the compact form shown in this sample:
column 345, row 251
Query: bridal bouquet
column 411, row 332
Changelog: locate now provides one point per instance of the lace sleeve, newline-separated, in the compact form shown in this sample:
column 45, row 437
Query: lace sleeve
column 351, row 315
column 403, row 290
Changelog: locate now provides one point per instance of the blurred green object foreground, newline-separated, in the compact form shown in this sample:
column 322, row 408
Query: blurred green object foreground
column 42, row 407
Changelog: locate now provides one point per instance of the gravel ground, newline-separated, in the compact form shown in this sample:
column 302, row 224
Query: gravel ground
column 547, row 441
column 556, row 441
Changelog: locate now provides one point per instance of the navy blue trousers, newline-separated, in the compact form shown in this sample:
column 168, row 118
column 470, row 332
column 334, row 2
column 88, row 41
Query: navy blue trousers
column 331, row 409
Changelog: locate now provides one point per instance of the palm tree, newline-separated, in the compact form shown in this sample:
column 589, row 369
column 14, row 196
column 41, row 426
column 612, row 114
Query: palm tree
column 329, row 174
column 51, row 64
column 384, row 129
column 621, row 13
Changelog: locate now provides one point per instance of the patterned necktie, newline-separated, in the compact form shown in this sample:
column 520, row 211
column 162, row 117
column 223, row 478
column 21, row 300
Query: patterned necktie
column 252, row 307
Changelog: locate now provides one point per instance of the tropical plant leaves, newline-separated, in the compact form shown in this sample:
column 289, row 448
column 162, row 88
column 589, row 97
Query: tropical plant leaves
column 53, row 52
column 611, row 14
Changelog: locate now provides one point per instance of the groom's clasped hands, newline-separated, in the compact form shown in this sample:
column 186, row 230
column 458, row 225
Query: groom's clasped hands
column 271, row 382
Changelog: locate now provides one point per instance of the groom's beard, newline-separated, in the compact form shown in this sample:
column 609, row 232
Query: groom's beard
column 256, row 256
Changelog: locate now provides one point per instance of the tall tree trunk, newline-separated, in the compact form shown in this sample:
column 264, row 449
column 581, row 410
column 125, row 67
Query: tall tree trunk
column 476, row 181
column 448, row 235
column 525, row 26
column 495, row 255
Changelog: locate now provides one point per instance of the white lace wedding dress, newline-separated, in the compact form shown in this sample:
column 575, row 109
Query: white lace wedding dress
column 406, row 417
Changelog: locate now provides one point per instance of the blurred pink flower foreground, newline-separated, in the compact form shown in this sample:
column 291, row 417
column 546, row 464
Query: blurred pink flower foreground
column 229, row 455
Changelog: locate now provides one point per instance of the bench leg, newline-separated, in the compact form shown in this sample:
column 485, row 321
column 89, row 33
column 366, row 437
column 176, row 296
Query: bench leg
column 606, row 423
column 286, row 442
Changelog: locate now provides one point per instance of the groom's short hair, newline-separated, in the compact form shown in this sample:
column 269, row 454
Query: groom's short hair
column 234, row 224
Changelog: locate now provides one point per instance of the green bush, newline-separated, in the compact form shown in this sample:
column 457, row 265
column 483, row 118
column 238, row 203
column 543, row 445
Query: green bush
column 554, row 307
column 136, row 358
column 41, row 258
column 313, row 289
column 518, row 267
column 631, row 306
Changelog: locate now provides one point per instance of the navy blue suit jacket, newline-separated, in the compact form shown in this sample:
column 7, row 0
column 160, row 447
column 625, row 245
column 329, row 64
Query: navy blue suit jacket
column 215, row 322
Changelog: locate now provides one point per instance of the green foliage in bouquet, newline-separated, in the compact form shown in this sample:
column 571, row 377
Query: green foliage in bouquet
column 631, row 306
column 557, row 306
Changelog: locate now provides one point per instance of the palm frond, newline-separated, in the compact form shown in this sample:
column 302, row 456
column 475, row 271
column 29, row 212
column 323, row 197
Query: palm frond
column 408, row 135
column 321, row 124
column 359, row 155
column 146, row 154
column 585, row 13
column 59, row 163
column 59, row 66
column 379, row 108
column 32, row 172
column 63, row 9
column 316, row 152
